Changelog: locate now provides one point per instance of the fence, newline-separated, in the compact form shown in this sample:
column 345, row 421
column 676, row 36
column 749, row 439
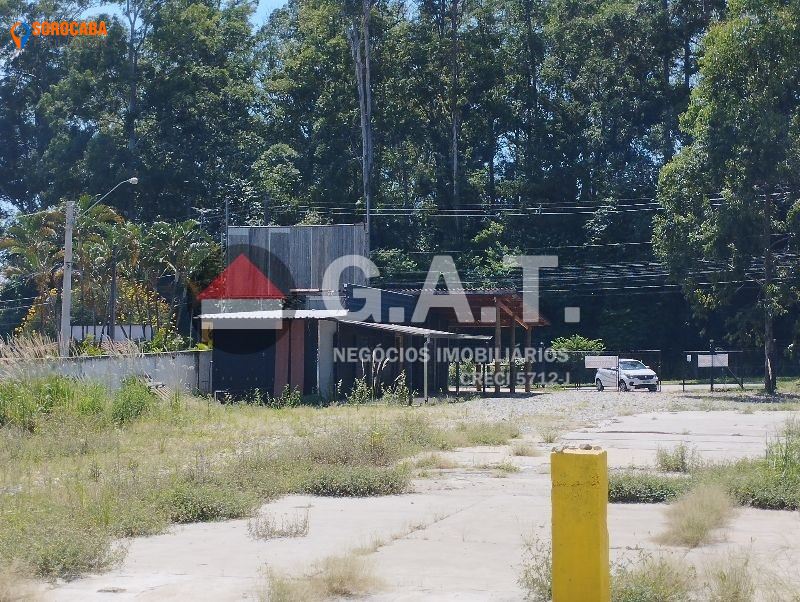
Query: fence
column 574, row 372
column 188, row 370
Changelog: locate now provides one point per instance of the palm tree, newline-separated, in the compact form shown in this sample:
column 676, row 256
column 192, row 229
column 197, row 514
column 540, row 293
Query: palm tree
column 33, row 252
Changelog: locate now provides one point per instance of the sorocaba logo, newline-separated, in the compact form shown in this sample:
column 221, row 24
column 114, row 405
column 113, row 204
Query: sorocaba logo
column 21, row 31
column 17, row 29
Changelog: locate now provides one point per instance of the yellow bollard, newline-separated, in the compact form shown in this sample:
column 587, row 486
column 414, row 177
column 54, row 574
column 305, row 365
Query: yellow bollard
column 580, row 530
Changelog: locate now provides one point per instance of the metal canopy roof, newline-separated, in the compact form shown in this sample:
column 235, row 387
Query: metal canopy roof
column 276, row 314
column 415, row 330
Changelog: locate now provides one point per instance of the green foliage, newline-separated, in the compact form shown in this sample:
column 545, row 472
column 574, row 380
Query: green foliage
column 88, row 347
column 164, row 339
column 289, row 398
column 681, row 458
column 395, row 264
column 356, row 481
column 720, row 192
column 648, row 579
column 192, row 502
column 634, row 487
column 361, row 392
column 59, row 545
column 485, row 433
column 771, row 483
column 132, row 400
column 398, row 392
column 536, row 577
column 577, row 342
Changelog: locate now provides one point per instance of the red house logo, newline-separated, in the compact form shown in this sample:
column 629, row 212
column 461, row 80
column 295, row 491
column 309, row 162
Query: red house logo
column 241, row 280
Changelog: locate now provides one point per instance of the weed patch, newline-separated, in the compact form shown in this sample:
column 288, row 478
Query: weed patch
column 337, row 577
column 681, row 458
column 435, row 461
column 81, row 466
column 356, row 481
column 692, row 517
column 730, row 579
column 648, row 579
column 188, row 502
column 266, row 526
column 636, row 487
column 524, row 449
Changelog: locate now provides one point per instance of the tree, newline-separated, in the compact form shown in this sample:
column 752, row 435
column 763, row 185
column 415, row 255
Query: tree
column 728, row 194
column 358, row 33
column 32, row 253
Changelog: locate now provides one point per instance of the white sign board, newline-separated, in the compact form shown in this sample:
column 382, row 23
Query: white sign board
column 718, row 360
column 601, row 361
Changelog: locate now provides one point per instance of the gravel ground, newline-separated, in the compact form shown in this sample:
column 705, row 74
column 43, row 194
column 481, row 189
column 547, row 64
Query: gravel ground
column 571, row 408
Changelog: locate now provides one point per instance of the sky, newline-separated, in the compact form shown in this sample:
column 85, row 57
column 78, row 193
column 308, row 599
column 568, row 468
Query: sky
column 265, row 7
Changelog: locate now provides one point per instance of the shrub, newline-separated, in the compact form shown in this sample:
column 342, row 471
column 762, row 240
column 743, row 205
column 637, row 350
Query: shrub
column 188, row 502
column 754, row 483
column 783, row 453
column 397, row 393
column 25, row 403
column 345, row 577
column 91, row 398
column 132, row 400
column 361, row 392
column 650, row 579
column 549, row 433
column 730, row 579
column 289, row 398
column 681, row 458
column 437, row 461
column 55, row 542
column 633, row 487
column 524, row 449
column 577, row 343
column 692, row 518
column 537, row 570
column 355, row 481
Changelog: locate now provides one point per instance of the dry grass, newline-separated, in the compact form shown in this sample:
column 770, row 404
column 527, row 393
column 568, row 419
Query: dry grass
column 505, row 467
column 649, row 579
column 693, row 517
column 88, row 465
column 265, row 526
column 435, row 461
column 14, row 587
column 345, row 576
column 549, row 433
column 524, row 449
column 730, row 579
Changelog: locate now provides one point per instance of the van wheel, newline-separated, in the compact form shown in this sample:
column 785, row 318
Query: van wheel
column 598, row 384
column 653, row 388
column 622, row 385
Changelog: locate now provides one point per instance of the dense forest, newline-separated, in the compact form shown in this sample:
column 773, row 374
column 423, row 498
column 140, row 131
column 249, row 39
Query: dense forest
column 470, row 127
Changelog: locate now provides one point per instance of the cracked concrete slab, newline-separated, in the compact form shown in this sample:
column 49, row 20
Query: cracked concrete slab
column 459, row 536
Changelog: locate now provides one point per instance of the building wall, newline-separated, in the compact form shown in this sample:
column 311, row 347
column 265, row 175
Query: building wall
column 296, row 257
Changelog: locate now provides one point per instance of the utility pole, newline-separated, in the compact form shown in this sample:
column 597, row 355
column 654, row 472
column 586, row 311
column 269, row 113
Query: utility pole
column 66, row 286
column 711, row 350
column 227, row 221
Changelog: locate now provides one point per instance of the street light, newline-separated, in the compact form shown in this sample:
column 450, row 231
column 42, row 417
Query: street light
column 134, row 180
column 66, row 286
